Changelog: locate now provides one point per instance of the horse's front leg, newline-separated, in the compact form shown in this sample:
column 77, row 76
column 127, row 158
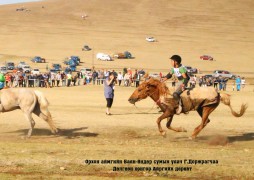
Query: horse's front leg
column 163, row 116
column 178, row 129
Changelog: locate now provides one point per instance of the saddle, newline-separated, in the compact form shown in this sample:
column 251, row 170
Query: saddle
column 188, row 89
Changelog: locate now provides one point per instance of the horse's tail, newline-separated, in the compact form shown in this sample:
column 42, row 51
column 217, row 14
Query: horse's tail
column 42, row 100
column 42, row 110
column 43, row 104
column 225, row 99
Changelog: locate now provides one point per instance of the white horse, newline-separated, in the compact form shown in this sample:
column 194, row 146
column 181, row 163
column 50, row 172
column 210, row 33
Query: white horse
column 29, row 102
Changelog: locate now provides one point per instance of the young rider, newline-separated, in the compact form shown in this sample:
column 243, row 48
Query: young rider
column 180, row 73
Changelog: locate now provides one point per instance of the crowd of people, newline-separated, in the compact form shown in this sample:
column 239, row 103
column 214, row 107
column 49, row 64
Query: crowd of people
column 97, row 77
column 51, row 79
column 220, row 83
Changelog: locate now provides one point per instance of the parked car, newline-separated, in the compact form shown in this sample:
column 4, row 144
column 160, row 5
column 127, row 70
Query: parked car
column 3, row 69
column 206, row 57
column 224, row 74
column 67, row 70
column 86, row 48
column 57, row 67
column 125, row 55
column 150, row 39
column 35, row 71
column 38, row 59
column 53, row 71
column 76, row 59
column 26, row 69
column 208, row 76
column 21, row 64
column 10, row 65
column 103, row 57
column 191, row 70
column 73, row 60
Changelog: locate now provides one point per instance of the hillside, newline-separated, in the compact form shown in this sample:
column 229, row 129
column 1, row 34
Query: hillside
column 189, row 28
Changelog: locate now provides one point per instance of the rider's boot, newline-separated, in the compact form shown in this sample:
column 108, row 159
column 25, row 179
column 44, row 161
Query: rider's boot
column 178, row 100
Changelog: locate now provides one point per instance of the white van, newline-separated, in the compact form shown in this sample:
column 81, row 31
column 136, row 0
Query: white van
column 103, row 57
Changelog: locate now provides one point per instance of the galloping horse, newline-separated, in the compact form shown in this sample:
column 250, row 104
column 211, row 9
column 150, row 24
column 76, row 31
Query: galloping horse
column 29, row 102
column 204, row 100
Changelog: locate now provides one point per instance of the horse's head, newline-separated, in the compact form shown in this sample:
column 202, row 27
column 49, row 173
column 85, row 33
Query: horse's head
column 147, row 88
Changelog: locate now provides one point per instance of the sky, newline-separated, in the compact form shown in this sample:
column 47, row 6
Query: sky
column 14, row 1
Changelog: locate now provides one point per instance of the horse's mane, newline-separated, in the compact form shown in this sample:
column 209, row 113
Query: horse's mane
column 162, row 87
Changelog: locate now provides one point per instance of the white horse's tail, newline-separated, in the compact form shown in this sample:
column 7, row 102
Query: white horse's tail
column 43, row 102
column 225, row 99
column 43, row 112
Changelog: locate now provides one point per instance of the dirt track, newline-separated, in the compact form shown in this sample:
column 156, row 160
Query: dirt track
column 130, row 133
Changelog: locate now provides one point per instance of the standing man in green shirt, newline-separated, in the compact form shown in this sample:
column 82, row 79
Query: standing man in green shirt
column 180, row 73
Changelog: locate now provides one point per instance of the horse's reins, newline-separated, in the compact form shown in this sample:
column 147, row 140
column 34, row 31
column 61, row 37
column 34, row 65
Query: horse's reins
column 156, row 102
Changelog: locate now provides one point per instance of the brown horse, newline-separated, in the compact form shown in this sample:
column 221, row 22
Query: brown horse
column 204, row 100
column 29, row 102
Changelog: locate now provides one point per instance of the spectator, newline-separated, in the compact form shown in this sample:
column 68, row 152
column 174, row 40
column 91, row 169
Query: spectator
column 238, row 83
column 209, row 82
column 192, row 81
column 58, row 79
column 109, row 91
column 8, row 80
column 135, row 75
column 126, row 79
column 215, row 83
column 200, row 81
column 119, row 78
column 63, row 77
column 243, row 82
column 31, row 80
column 74, row 79
column 204, row 82
column 84, row 79
column 79, row 77
column 53, row 79
column 69, row 78
column 41, row 80
column 101, row 77
column 46, row 80
column 225, row 80
column 21, row 79
column 94, row 76
column 220, row 81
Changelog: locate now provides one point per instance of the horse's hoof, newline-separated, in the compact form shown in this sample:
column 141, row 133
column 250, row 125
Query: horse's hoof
column 24, row 137
column 163, row 133
column 192, row 137
column 55, row 131
column 183, row 130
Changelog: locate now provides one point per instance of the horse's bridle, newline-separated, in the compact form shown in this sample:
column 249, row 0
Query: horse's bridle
column 155, row 102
